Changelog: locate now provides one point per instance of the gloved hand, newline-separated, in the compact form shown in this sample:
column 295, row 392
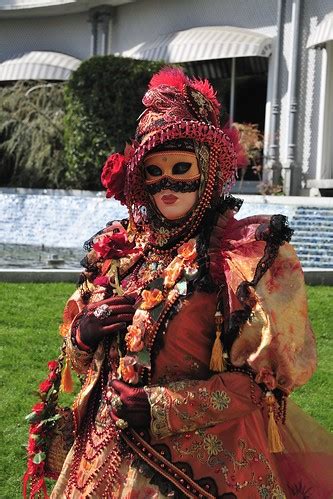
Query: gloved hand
column 134, row 407
column 104, row 318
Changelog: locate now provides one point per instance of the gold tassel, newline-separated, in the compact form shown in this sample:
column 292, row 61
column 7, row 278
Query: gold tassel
column 217, row 363
column 66, row 379
column 274, row 438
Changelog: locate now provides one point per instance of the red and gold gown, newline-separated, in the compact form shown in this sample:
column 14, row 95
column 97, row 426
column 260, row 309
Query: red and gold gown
column 209, row 432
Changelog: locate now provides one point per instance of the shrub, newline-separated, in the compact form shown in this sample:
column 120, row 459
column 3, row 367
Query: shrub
column 31, row 135
column 103, row 101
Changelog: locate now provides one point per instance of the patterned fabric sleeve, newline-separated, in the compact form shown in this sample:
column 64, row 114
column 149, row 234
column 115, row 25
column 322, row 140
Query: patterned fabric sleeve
column 277, row 341
column 189, row 405
column 79, row 359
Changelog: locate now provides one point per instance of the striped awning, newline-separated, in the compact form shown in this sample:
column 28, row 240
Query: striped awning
column 203, row 43
column 38, row 66
column 323, row 32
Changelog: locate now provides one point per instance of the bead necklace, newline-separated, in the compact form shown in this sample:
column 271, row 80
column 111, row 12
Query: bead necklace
column 110, row 465
column 149, row 270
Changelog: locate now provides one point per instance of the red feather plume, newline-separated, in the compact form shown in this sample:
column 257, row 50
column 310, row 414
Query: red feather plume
column 173, row 77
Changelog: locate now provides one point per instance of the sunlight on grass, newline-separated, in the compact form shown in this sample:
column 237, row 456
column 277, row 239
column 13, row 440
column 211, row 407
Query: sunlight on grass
column 30, row 316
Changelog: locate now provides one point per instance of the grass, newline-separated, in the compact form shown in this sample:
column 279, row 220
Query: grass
column 30, row 316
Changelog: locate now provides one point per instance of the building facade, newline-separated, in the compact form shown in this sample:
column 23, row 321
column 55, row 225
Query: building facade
column 272, row 62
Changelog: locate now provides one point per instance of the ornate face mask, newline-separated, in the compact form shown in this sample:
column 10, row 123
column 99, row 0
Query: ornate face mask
column 174, row 170
column 172, row 180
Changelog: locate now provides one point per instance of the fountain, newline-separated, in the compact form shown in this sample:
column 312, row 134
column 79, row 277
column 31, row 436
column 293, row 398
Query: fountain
column 45, row 229
column 36, row 224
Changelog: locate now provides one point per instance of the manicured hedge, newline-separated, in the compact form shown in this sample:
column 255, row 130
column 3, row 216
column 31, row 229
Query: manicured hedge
column 103, row 101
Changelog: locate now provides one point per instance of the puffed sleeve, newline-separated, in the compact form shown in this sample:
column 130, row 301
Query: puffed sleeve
column 264, row 299
column 277, row 341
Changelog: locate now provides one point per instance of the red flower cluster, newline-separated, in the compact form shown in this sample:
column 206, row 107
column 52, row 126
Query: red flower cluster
column 36, row 449
column 44, row 386
column 38, row 408
column 114, row 246
column 52, row 365
column 113, row 177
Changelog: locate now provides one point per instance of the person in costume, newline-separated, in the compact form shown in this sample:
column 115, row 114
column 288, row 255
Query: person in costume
column 189, row 327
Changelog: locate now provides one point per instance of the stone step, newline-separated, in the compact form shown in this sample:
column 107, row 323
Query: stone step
column 315, row 253
column 306, row 243
column 313, row 243
column 317, row 265
column 323, row 232
column 311, row 250
column 315, row 215
column 326, row 242
column 313, row 221
column 318, row 257
column 313, row 247
column 316, row 261
column 313, row 209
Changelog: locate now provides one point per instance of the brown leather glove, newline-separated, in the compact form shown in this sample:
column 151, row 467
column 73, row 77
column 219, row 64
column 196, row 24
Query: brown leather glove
column 102, row 319
column 134, row 407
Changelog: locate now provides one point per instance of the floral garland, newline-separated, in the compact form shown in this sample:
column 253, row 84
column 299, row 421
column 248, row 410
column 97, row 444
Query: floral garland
column 42, row 420
column 155, row 300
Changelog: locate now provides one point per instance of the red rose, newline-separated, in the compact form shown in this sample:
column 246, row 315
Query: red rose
column 35, row 429
column 103, row 281
column 32, row 446
column 114, row 246
column 44, row 386
column 52, row 365
column 52, row 376
column 113, row 177
column 34, row 468
column 38, row 408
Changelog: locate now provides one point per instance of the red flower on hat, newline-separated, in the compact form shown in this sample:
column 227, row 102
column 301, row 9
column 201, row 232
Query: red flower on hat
column 113, row 177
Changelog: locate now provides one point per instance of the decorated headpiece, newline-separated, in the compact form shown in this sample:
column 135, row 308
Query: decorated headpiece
column 182, row 110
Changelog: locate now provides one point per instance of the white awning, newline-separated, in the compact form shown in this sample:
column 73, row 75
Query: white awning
column 38, row 66
column 203, row 43
column 323, row 32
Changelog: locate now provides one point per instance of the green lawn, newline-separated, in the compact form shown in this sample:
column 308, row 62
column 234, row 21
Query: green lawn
column 29, row 320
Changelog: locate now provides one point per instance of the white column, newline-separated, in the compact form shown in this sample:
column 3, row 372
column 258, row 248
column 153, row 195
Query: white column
column 232, row 90
column 321, row 120
column 327, row 158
